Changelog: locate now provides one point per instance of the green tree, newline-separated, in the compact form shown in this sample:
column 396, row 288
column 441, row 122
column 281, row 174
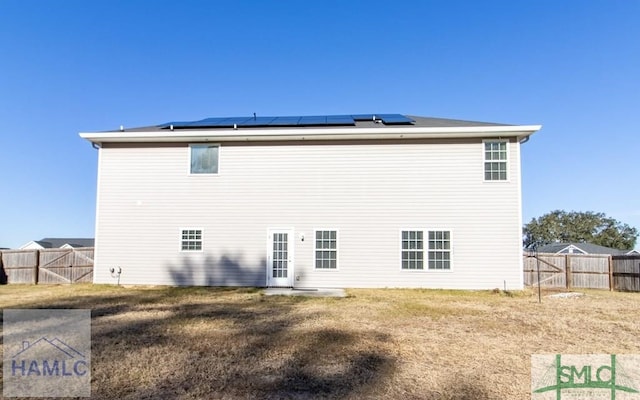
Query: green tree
column 573, row 226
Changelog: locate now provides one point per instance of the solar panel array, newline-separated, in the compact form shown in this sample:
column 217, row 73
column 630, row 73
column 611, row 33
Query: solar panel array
column 296, row 121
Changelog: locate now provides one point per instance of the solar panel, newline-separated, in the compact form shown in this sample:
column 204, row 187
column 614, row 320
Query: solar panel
column 395, row 119
column 257, row 121
column 174, row 123
column 363, row 117
column 202, row 122
column 312, row 120
column 340, row 120
column 285, row 121
column 215, row 122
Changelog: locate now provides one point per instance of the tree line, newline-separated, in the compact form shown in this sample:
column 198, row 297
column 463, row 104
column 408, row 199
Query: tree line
column 579, row 227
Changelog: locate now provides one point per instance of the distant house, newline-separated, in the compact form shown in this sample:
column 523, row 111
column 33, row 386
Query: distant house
column 58, row 243
column 383, row 200
column 583, row 248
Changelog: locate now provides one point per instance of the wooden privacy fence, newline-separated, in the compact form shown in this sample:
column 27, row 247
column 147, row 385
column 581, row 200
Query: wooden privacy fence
column 626, row 274
column 47, row 266
column 593, row 271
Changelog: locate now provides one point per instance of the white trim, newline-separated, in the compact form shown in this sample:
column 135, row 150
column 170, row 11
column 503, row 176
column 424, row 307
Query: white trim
column 274, row 134
column 571, row 250
column 425, row 251
column 96, row 236
column 203, row 174
column 518, row 233
column 507, row 161
column 201, row 240
column 337, row 231
column 32, row 245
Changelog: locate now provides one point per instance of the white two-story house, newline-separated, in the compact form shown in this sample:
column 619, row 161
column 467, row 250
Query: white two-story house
column 325, row 201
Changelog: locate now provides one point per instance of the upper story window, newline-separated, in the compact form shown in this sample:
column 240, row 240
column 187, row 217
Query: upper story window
column 204, row 158
column 495, row 160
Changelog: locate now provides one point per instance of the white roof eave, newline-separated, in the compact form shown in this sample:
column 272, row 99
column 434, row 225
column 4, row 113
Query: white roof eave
column 226, row 135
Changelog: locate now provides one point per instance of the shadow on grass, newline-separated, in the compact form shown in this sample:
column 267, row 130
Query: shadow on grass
column 194, row 343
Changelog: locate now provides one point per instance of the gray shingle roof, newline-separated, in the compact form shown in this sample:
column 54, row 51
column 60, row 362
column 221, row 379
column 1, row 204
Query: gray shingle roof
column 54, row 243
column 446, row 122
column 427, row 122
column 588, row 248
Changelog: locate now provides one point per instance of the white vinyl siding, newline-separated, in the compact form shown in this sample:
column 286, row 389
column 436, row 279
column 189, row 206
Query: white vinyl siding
column 371, row 190
column 495, row 160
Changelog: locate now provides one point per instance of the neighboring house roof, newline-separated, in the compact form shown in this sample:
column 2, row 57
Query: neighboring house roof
column 582, row 248
column 327, row 127
column 54, row 243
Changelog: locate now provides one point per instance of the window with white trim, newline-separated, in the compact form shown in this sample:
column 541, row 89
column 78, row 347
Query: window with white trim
column 439, row 252
column 204, row 158
column 412, row 250
column 495, row 160
column 436, row 252
column 191, row 240
column 326, row 249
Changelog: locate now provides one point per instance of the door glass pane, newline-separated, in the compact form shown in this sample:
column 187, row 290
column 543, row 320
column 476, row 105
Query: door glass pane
column 280, row 255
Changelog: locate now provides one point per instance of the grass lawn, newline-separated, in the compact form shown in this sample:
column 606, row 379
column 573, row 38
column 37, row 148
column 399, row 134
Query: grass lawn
column 214, row 343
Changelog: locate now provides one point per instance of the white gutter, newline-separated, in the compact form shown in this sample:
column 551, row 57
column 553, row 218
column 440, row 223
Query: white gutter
column 225, row 135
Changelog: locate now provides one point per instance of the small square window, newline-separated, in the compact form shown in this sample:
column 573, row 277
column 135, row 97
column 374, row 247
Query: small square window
column 191, row 240
column 204, row 159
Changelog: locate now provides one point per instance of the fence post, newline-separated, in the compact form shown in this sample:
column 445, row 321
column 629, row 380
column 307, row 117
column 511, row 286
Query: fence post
column 3, row 274
column 639, row 276
column 36, row 268
column 611, row 273
column 567, row 267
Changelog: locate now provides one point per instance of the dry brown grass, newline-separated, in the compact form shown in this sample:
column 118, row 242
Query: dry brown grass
column 194, row 343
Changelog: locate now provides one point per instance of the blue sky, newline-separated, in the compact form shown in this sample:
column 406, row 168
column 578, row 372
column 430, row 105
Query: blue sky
column 75, row 66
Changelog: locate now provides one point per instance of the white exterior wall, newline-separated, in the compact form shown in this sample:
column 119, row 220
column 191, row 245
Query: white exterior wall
column 367, row 191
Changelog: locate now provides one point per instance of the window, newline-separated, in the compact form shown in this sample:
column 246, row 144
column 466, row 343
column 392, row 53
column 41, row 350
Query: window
column 439, row 250
column 326, row 249
column 495, row 160
column 412, row 250
column 191, row 240
column 204, row 159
